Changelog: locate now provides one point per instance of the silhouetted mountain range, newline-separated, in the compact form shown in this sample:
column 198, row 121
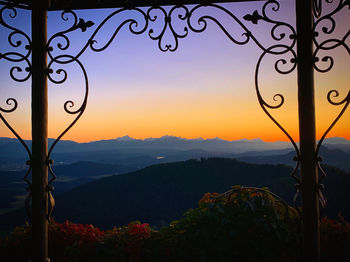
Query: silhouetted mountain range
column 161, row 193
column 11, row 148
column 138, row 153
column 69, row 176
column 333, row 157
column 77, row 164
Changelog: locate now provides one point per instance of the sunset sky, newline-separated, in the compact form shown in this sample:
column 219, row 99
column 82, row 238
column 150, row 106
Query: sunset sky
column 204, row 89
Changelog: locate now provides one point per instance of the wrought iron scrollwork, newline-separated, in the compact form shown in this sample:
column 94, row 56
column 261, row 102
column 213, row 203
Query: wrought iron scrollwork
column 159, row 23
column 191, row 20
column 279, row 51
column 68, row 108
column 68, row 105
column 15, row 40
column 15, row 56
column 326, row 24
column 168, row 18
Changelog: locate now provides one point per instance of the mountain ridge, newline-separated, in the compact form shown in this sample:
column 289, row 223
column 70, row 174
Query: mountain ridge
column 160, row 193
column 212, row 144
column 13, row 188
column 140, row 153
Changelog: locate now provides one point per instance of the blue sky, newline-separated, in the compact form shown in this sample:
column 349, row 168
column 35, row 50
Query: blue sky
column 204, row 89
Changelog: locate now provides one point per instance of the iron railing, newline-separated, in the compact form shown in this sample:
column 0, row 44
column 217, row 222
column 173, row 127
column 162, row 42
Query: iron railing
column 289, row 49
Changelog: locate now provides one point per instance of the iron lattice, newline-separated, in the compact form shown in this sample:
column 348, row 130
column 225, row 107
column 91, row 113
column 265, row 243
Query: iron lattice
column 282, row 34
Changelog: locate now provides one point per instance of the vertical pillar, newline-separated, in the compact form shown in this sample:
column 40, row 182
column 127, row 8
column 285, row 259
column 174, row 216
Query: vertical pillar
column 307, row 131
column 39, row 132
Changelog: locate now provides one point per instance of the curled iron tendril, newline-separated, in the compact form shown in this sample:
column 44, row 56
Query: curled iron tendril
column 10, row 101
column 163, row 19
column 278, row 50
column 68, row 105
column 328, row 45
column 344, row 103
column 280, row 101
column 134, row 27
column 159, row 18
column 16, row 57
column 14, row 104
column 91, row 43
column 168, row 18
column 327, row 25
column 199, row 24
column 14, row 41
column 196, row 25
column 184, row 15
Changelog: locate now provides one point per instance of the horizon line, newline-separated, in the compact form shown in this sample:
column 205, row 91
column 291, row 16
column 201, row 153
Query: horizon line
column 179, row 137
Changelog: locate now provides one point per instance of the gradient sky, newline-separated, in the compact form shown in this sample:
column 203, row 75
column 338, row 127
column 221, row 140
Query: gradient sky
column 204, row 89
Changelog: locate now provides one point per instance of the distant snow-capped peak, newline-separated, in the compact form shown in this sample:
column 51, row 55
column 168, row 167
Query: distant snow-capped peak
column 125, row 138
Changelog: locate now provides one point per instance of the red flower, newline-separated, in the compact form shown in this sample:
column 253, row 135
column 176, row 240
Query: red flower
column 141, row 230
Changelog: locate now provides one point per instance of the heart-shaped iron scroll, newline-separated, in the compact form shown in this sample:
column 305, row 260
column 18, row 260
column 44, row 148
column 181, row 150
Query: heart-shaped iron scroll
column 16, row 73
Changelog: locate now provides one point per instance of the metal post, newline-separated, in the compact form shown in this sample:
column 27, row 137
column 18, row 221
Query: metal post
column 307, row 131
column 39, row 132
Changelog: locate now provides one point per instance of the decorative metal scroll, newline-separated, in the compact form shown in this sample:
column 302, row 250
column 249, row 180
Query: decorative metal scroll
column 17, row 40
column 191, row 19
column 326, row 24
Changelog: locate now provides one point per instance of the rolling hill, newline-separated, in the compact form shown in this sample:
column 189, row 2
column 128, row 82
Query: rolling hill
column 161, row 193
column 138, row 153
column 13, row 188
column 334, row 157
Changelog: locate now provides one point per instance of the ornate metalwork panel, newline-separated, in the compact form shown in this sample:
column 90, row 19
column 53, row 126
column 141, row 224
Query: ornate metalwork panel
column 282, row 49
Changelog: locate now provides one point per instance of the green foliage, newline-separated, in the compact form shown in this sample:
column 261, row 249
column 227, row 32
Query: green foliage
column 242, row 224
column 161, row 193
column 335, row 240
column 16, row 246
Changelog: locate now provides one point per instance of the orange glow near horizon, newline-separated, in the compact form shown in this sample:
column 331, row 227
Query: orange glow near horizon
column 204, row 89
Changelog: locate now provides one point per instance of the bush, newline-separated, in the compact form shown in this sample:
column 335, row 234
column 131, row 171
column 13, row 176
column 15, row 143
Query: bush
column 124, row 244
column 242, row 224
column 17, row 246
column 335, row 240
column 73, row 242
column 64, row 241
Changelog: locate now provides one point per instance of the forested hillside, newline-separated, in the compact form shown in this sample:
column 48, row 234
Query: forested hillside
column 161, row 193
